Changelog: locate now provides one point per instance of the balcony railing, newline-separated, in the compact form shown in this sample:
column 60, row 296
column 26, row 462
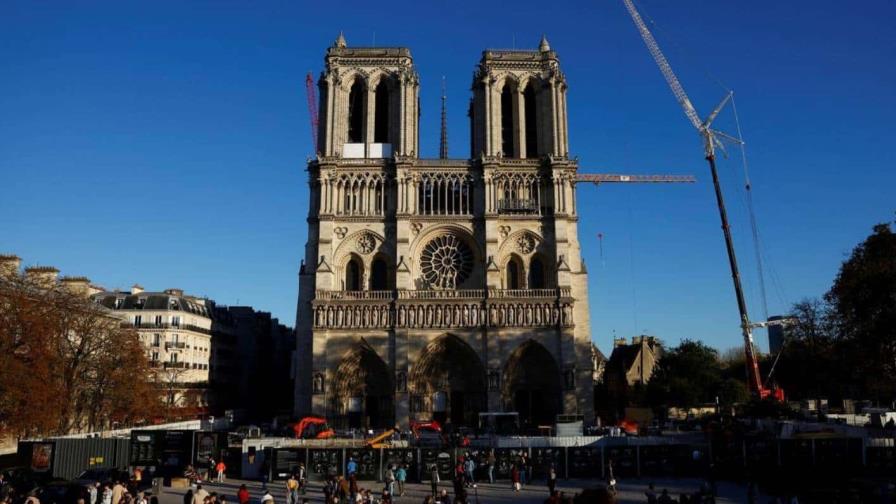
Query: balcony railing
column 177, row 345
column 525, row 293
column 440, row 295
column 380, row 295
column 518, row 205
column 179, row 327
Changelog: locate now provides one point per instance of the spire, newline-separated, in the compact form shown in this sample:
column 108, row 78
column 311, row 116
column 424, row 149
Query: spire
column 340, row 40
column 443, row 139
column 544, row 46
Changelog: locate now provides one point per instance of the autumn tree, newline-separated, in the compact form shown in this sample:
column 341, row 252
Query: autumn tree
column 66, row 363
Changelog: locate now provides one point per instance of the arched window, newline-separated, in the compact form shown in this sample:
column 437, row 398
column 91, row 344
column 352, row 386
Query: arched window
column 536, row 274
column 531, row 124
column 379, row 275
column 513, row 274
column 356, row 112
column 507, row 121
column 353, row 275
column 381, row 114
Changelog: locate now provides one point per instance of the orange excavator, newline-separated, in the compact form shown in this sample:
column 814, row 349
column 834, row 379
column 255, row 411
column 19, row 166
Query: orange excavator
column 427, row 432
column 312, row 427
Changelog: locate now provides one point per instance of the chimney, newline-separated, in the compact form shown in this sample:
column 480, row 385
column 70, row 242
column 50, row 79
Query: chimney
column 45, row 276
column 619, row 342
column 136, row 289
column 9, row 265
column 77, row 285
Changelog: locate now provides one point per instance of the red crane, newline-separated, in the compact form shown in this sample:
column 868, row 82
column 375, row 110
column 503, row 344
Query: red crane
column 312, row 107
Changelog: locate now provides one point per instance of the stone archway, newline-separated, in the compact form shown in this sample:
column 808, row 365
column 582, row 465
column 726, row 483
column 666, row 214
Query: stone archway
column 448, row 382
column 362, row 391
column 532, row 385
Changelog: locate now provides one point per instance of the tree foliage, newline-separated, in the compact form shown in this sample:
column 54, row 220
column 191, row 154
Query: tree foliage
column 691, row 374
column 67, row 364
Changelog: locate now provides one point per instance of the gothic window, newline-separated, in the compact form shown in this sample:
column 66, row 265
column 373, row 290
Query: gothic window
column 379, row 275
column 507, row 121
column 536, row 274
column 513, row 274
column 444, row 194
column 446, row 262
column 381, row 114
column 519, row 193
column 356, row 112
column 353, row 270
column 531, row 122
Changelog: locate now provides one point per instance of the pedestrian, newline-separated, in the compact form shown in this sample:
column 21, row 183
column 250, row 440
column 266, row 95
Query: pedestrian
column 650, row 494
column 389, row 477
column 267, row 498
column 220, row 468
column 353, row 491
column 434, row 480
column 522, row 469
column 491, row 466
column 199, row 495
column 301, row 476
column 242, row 495
column 292, row 490
column 117, row 492
column 351, row 467
column 469, row 467
column 515, row 478
column 92, row 491
column 552, row 480
column 401, row 474
column 141, row 498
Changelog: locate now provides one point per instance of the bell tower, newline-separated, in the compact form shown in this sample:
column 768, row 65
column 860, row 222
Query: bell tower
column 518, row 108
column 368, row 102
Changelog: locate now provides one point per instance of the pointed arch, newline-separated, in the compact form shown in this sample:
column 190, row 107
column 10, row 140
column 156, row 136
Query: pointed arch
column 379, row 274
column 513, row 273
column 381, row 112
column 449, row 373
column 357, row 110
column 362, row 390
column 532, row 385
column 507, row 123
column 531, row 119
column 354, row 274
column 537, row 278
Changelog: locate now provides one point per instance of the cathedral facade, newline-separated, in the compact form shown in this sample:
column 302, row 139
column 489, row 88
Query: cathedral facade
column 442, row 288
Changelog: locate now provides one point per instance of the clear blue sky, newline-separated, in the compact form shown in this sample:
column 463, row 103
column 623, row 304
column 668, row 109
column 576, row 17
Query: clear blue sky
column 165, row 142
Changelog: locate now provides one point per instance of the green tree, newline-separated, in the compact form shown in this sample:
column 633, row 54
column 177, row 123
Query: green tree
column 863, row 308
column 690, row 375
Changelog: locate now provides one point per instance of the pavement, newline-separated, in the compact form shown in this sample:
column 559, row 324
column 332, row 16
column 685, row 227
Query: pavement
column 629, row 491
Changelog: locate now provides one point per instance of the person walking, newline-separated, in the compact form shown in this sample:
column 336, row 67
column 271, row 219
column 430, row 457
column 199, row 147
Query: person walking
column 242, row 495
column 389, row 477
column 401, row 474
column 107, row 494
column 301, row 476
column 469, row 467
column 552, row 480
column 292, row 490
column 220, row 468
column 515, row 478
column 92, row 491
column 522, row 469
column 434, row 480
column 118, row 492
column 491, row 466
column 351, row 467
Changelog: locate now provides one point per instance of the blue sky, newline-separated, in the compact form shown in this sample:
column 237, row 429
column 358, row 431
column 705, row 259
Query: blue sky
column 165, row 142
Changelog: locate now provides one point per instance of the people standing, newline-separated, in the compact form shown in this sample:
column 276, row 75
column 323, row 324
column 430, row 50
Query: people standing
column 243, row 495
column 107, row 494
column 301, row 476
column 351, row 467
column 522, row 469
column 469, row 467
column 118, row 492
column 434, row 479
column 220, row 468
column 552, row 480
column 292, row 490
column 401, row 474
column 491, row 466
column 199, row 495
column 515, row 478
column 389, row 478
column 92, row 491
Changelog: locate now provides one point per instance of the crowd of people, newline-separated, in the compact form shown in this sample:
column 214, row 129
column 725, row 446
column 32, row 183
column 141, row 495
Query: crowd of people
column 119, row 489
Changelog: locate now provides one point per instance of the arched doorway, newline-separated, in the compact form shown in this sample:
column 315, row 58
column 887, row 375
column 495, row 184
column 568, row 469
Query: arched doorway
column 532, row 385
column 362, row 391
column 448, row 382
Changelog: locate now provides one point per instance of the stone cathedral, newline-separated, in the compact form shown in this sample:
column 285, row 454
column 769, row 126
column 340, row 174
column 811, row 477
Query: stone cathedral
column 442, row 288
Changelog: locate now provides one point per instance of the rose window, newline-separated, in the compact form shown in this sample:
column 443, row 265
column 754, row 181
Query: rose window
column 446, row 262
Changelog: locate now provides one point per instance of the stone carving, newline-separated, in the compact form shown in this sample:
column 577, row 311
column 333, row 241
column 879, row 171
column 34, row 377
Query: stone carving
column 525, row 243
column 446, row 262
column 317, row 384
column 340, row 232
column 416, row 227
column 366, row 243
column 503, row 231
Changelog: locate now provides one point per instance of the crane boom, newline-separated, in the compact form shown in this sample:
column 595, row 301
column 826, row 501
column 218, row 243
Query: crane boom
column 666, row 70
column 711, row 139
column 599, row 178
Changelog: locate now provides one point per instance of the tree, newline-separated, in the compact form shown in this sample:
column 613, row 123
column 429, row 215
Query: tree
column 66, row 363
column 808, row 367
column 690, row 375
column 863, row 308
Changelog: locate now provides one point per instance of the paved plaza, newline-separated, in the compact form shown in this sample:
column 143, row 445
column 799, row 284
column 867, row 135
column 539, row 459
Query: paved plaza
column 630, row 491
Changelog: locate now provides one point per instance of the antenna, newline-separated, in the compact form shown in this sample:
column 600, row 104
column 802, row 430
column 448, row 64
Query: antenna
column 443, row 138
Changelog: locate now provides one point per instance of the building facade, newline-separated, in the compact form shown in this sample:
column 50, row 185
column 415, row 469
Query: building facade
column 442, row 288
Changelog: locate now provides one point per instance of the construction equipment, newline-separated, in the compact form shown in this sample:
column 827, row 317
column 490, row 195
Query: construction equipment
column 311, row 95
column 602, row 178
column 427, row 432
column 378, row 441
column 712, row 139
column 313, row 427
